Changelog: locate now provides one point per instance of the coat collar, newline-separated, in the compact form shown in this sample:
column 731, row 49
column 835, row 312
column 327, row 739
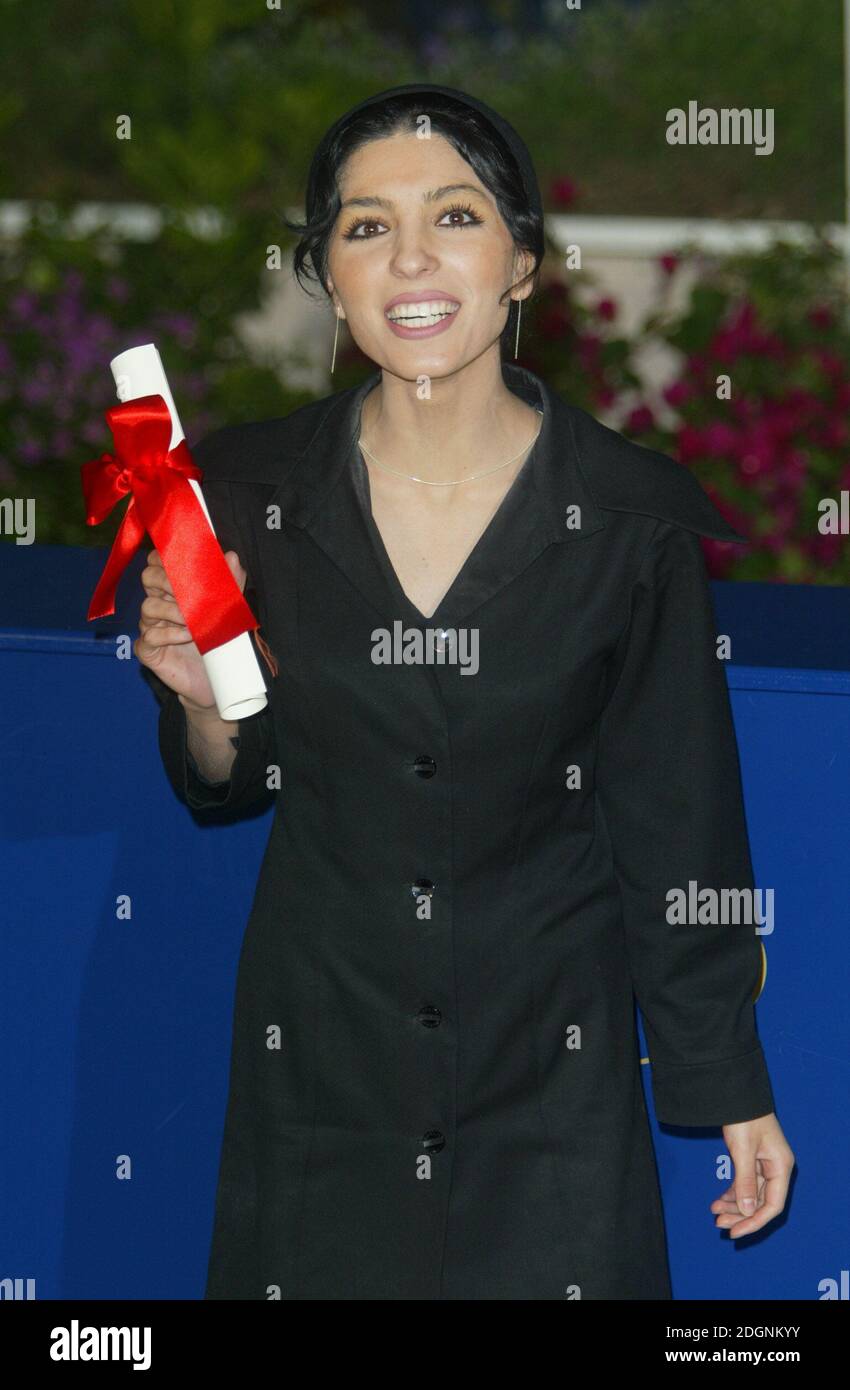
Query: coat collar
column 579, row 470
column 318, row 494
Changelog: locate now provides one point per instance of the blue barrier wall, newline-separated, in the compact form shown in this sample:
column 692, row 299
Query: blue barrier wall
column 116, row 1033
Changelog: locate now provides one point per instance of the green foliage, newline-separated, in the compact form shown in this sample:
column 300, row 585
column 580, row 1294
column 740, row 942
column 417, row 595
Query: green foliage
column 228, row 97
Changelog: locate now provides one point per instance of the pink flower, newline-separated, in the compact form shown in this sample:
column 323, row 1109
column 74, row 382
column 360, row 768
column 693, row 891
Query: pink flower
column 831, row 364
column 802, row 400
column 720, row 556
column 756, row 456
column 821, row 316
column 826, row 549
column 668, row 263
column 720, row 438
column 831, row 434
column 689, row 443
column 793, row 470
column 741, row 334
column 639, row 420
column 782, row 418
column 589, row 345
column 678, row 392
column 607, row 309
column 562, row 192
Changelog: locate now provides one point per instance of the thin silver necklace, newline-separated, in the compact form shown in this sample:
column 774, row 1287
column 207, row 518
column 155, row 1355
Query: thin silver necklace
column 454, row 481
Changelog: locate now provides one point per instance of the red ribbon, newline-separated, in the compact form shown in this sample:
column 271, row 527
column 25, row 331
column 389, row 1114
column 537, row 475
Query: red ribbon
column 163, row 505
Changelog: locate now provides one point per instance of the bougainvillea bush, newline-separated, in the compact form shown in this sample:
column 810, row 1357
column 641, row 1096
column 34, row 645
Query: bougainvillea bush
column 760, row 404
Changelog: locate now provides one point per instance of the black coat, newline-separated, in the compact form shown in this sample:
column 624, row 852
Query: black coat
column 465, row 882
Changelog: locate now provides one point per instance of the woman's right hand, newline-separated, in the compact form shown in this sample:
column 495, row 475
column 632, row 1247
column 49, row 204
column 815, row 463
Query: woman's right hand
column 165, row 644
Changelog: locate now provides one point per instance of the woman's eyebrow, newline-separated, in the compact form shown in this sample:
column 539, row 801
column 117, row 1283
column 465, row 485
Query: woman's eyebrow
column 367, row 202
column 431, row 197
column 437, row 193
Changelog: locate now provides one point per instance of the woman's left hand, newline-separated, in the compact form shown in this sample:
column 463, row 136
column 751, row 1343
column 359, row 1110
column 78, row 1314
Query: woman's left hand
column 763, row 1164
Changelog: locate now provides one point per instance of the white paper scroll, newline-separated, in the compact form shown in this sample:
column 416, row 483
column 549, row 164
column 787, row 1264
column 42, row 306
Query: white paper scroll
column 233, row 670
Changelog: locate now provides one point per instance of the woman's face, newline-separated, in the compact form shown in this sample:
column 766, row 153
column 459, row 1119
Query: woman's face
column 408, row 240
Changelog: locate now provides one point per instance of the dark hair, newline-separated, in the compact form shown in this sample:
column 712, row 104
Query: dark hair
column 474, row 138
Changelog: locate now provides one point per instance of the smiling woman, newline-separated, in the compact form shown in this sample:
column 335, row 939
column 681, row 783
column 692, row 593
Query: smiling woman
column 466, row 883
column 389, row 256
column 424, row 237
column 505, row 186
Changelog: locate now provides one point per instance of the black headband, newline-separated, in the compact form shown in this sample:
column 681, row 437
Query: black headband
column 499, row 124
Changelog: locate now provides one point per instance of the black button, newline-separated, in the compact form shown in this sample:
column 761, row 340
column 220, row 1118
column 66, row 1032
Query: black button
column 430, row 1016
column 433, row 1141
column 422, row 886
column 424, row 766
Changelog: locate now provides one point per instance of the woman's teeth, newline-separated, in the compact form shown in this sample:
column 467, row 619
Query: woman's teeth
column 422, row 315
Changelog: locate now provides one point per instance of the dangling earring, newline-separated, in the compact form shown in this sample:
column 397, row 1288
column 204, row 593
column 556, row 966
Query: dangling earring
column 336, row 336
column 518, row 317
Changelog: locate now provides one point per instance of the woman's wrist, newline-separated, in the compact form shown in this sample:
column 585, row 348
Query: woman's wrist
column 206, row 715
column 211, row 741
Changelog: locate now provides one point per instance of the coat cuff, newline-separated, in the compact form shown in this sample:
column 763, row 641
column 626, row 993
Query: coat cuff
column 190, row 786
column 713, row 1093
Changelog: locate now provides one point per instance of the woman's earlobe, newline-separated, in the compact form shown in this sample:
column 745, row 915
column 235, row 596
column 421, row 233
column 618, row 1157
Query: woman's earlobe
column 331, row 293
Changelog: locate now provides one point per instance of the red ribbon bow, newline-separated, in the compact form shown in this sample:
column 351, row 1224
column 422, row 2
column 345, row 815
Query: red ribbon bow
column 163, row 505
